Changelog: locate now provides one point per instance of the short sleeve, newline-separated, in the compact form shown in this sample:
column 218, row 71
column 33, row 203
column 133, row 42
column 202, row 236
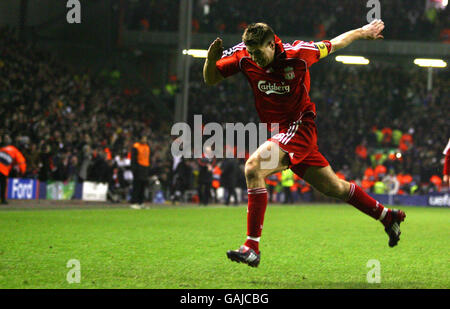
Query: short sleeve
column 229, row 63
column 311, row 52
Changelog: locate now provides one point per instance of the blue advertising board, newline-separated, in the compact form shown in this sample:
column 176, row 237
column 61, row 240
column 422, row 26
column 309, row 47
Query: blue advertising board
column 435, row 199
column 22, row 189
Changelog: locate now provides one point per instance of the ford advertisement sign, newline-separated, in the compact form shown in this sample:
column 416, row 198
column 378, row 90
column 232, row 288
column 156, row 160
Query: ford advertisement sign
column 22, row 189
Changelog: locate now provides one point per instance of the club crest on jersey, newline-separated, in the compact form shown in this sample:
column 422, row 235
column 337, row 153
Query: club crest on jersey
column 269, row 88
column 289, row 73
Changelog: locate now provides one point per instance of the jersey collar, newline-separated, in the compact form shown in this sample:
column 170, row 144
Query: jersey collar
column 280, row 53
column 279, row 49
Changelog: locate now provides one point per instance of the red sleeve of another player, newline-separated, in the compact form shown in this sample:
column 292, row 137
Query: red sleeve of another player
column 228, row 65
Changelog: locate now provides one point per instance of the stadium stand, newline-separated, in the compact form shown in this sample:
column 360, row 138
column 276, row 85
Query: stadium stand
column 406, row 22
column 81, row 126
column 73, row 126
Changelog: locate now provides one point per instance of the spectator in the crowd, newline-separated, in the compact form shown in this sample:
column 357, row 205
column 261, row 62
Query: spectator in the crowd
column 182, row 177
column 44, row 162
column 86, row 162
column 271, row 182
column 101, row 169
column 230, row 170
column 140, row 163
column 391, row 182
column 122, row 177
column 287, row 181
column 215, row 184
column 205, row 177
column 379, row 187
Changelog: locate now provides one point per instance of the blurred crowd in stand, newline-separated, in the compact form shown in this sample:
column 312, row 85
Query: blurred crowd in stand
column 375, row 123
column 412, row 20
column 71, row 124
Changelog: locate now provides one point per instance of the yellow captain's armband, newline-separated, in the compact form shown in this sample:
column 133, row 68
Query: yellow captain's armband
column 323, row 49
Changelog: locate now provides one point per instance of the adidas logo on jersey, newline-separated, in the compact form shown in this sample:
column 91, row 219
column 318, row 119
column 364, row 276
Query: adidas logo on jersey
column 269, row 88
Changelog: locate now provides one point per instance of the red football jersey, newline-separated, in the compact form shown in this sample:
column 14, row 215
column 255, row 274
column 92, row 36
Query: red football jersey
column 281, row 89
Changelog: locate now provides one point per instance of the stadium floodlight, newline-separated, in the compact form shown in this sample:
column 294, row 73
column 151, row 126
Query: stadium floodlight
column 353, row 60
column 430, row 63
column 196, row 53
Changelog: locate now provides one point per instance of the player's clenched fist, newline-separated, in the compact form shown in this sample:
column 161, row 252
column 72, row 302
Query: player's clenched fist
column 373, row 30
column 215, row 50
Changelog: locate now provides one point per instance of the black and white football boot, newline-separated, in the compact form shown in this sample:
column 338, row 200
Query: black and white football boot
column 393, row 228
column 245, row 255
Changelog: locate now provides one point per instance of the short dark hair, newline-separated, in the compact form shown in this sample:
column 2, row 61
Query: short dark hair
column 257, row 34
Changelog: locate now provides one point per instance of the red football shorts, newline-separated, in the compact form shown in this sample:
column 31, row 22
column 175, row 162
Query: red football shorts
column 299, row 141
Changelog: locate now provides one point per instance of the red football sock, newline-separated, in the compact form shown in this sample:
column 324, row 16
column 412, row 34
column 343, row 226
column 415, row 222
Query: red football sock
column 365, row 203
column 257, row 204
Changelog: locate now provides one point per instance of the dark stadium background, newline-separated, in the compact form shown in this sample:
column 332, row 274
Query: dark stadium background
column 71, row 91
column 75, row 97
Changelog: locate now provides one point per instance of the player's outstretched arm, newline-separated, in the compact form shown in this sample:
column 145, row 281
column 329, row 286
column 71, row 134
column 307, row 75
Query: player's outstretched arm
column 370, row 31
column 211, row 74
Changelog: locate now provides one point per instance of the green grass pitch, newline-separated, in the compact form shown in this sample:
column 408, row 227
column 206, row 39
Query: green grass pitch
column 312, row 246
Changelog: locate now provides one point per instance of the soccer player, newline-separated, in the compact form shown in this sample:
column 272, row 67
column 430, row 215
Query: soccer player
column 279, row 77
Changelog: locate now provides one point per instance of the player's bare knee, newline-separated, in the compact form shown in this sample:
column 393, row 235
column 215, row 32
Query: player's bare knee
column 252, row 170
column 339, row 188
column 334, row 188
